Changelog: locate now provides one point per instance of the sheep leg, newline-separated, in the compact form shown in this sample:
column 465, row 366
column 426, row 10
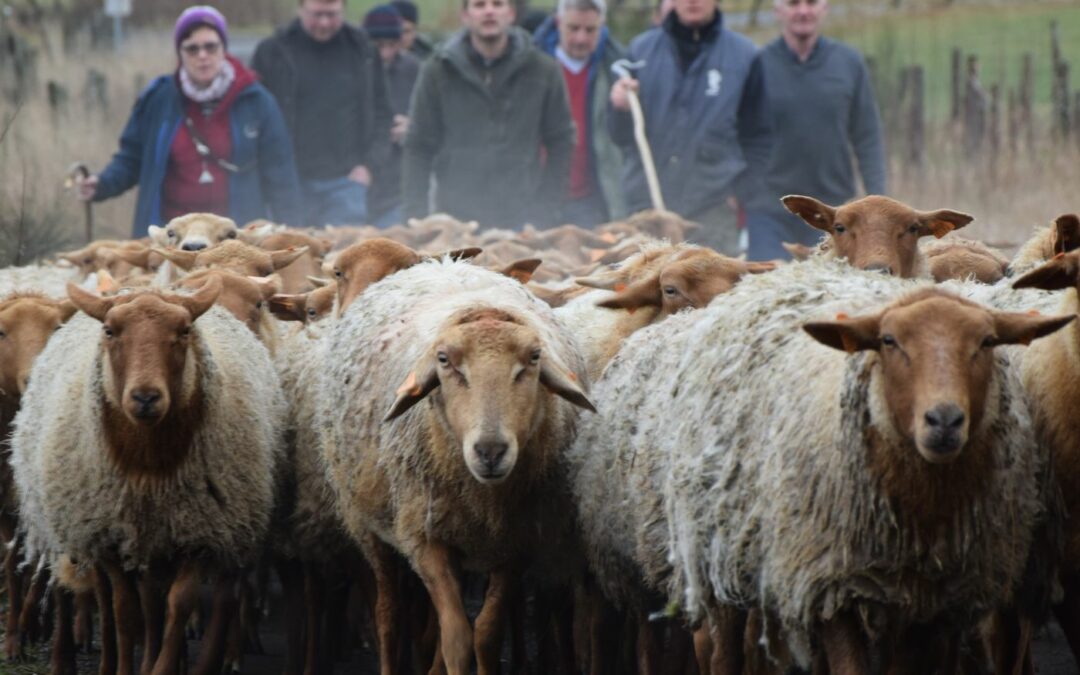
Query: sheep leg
column 30, row 619
column 315, row 597
column 12, row 640
column 649, row 645
column 384, row 565
column 84, row 620
column 1068, row 612
column 125, row 601
column 290, row 573
column 153, row 611
column 106, row 623
column 438, row 572
column 703, row 648
column 183, row 594
column 845, row 648
column 212, row 653
column 63, row 649
column 604, row 624
column 487, row 639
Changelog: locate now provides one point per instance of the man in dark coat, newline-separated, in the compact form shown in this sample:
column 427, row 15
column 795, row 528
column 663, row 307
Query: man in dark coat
column 703, row 95
column 490, row 121
column 328, row 80
column 578, row 39
column 384, row 25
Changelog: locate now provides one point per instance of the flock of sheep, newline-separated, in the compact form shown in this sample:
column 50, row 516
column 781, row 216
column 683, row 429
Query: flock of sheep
column 655, row 458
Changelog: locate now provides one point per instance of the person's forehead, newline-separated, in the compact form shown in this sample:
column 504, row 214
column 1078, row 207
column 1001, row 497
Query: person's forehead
column 200, row 34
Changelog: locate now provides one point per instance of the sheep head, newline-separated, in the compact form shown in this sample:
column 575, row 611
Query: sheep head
column 235, row 256
column 146, row 340
column 936, row 358
column 305, row 307
column 876, row 233
column 690, row 278
column 493, row 378
column 194, row 232
column 27, row 321
column 246, row 298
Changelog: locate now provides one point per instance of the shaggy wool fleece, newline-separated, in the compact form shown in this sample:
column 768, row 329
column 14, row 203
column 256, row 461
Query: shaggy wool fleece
column 46, row 279
column 217, row 506
column 393, row 479
column 311, row 527
column 1036, row 250
column 734, row 469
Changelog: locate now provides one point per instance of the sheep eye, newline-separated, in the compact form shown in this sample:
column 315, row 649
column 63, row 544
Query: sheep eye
column 840, row 229
column 4, row 335
column 888, row 340
column 258, row 305
column 988, row 342
column 337, row 273
column 534, row 358
column 231, row 235
column 109, row 332
column 185, row 332
column 170, row 233
column 311, row 312
column 914, row 228
column 444, row 360
column 669, row 291
column 87, row 261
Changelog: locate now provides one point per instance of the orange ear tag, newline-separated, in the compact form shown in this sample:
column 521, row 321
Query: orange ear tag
column 1034, row 312
column 410, row 386
column 571, row 375
column 940, row 228
column 1059, row 256
column 841, row 316
column 620, row 287
column 608, row 237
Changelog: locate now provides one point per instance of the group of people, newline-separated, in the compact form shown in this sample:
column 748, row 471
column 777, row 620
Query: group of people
column 336, row 124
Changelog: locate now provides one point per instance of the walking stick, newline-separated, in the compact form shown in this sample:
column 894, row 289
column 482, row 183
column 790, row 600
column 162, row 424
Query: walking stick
column 74, row 172
column 623, row 68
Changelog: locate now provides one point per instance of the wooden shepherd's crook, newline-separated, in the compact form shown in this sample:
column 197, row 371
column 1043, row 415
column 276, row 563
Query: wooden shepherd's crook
column 74, row 173
column 623, row 68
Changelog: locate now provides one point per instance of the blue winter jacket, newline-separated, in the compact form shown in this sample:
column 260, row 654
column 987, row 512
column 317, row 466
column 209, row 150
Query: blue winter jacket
column 707, row 127
column 265, row 187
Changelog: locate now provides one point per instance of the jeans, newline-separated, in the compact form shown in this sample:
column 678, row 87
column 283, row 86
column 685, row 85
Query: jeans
column 768, row 230
column 334, row 201
column 719, row 230
column 586, row 212
column 394, row 216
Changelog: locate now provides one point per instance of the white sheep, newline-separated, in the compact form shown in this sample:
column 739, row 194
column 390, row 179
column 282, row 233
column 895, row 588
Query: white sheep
column 473, row 476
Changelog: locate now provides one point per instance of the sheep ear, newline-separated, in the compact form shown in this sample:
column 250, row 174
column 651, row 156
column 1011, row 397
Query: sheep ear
column 941, row 222
column 67, row 310
column 758, row 267
column 139, row 258
column 522, row 270
column 268, row 286
column 289, row 307
column 280, row 259
column 798, row 251
column 563, row 385
column 318, row 282
column 455, row 254
column 92, row 305
column 1012, row 328
column 203, row 299
column 158, row 235
column 643, row 293
column 816, row 214
column 414, row 388
column 849, row 335
column 603, row 283
column 106, row 284
column 1066, row 233
column 1058, row 273
column 185, row 260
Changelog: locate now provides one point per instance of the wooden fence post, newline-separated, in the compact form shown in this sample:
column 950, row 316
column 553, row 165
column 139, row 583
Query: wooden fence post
column 976, row 104
column 957, row 86
column 916, row 118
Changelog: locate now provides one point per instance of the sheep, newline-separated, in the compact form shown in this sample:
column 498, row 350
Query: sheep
column 194, row 232
column 957, row 258
column 305, row 307
column 147, row 441
column 234, row 255
column 1051, row 373
column 884, row 233
column 294, row 277
column 27, row 321
column 1061, row 236
column 246, row 298
column 704, row 505
column 658, row 281
column 468, row 478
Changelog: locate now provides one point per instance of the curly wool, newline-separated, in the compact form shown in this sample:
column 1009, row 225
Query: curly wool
column 216, row 507
column 392, row 479
column 46, row 279
column 749, row 454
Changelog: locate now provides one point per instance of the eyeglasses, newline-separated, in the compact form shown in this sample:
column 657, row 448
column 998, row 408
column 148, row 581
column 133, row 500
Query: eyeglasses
column 210, row 48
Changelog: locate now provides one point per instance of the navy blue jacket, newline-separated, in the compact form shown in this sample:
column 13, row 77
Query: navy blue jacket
column 707, row 127
column 265, row 187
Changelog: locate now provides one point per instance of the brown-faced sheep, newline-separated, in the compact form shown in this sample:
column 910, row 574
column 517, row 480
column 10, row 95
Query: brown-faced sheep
column 294, row 277
column 759, row 491
column 194, row 232
column 957, row 258
column 147, row 442
column 1061, row 236
column 466, row 479
column 877, row 233
column 235, row 256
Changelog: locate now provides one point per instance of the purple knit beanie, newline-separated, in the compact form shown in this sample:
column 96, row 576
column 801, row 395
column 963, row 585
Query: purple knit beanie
column 200, row 15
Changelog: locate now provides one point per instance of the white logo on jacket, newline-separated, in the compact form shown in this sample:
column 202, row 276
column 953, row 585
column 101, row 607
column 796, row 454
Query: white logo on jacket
column 714, row 80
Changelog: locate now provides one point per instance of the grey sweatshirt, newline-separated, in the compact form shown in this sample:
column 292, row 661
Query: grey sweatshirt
column 820, row 112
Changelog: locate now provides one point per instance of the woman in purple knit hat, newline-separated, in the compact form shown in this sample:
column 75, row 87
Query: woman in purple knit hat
column 206, row 138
